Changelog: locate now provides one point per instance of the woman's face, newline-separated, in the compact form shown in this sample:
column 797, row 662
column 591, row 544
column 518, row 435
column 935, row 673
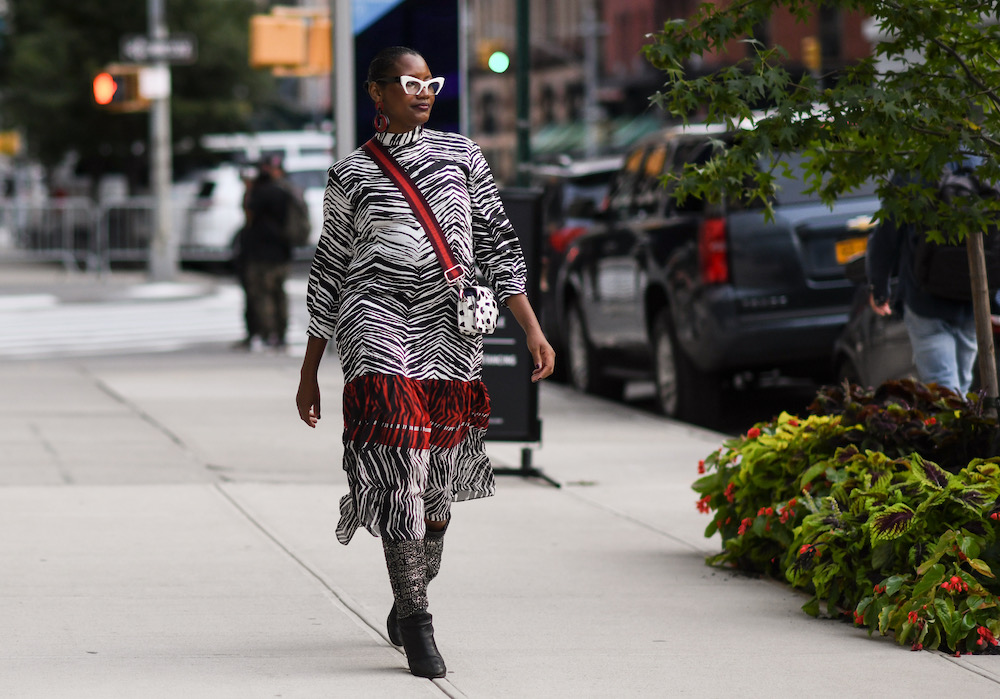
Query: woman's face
column 405, row 112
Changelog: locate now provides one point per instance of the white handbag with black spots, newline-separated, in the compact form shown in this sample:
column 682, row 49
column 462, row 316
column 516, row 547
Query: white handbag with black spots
column 477, row 311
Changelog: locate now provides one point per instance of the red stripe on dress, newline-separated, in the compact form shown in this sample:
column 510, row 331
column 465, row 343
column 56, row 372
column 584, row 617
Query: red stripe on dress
column 410, row 413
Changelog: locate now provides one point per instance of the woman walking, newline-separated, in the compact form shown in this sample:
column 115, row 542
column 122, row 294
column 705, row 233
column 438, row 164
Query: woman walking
column 415, row 408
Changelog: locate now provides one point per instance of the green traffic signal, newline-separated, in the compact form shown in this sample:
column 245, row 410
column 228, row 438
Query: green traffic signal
column 498, row 62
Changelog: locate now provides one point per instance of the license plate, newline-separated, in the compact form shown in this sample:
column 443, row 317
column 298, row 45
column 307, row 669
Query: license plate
column 846, row 249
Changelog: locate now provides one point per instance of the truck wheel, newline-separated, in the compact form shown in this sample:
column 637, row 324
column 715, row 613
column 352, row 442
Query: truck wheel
column 584, row 373
column 683, row 391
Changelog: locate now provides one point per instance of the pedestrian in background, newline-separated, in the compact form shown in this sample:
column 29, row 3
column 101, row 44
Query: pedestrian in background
column 942, row 331
column 247, row 176
column 415, row 407
column 265, row 257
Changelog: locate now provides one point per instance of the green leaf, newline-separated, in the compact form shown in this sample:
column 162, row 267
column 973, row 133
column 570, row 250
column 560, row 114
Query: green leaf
column 929, row 473
column 893, row 584
column 881, row 555
column 891, row 522
column 981, row 567
column 931, row 579
column 812, row 607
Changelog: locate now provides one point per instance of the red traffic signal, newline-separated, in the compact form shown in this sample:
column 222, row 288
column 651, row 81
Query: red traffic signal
column 105, row 88
column 117, row 88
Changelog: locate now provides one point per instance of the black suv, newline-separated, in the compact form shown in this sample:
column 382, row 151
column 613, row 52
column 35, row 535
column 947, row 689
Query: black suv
column 692, row 295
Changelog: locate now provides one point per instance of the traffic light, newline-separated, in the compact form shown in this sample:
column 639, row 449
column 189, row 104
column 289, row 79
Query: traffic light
column 278, row 41
column 320, row 46
column 498, row 62
column 810, row 53
column 117, row 89
column 292, row 42
column 491, row 56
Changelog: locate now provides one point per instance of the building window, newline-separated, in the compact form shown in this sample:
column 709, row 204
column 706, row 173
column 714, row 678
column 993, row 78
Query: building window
column 575, row 102
column 488, row 108
column 830, row 31
column 547, row 104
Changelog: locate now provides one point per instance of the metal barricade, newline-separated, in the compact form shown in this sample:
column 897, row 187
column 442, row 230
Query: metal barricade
column 58, row 231
column 84, row 235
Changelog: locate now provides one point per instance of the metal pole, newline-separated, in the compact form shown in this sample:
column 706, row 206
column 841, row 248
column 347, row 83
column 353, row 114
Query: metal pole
column 343, row 78
column 984, row 327
column 591, row 110
column 465, row 83
column 163, row 246
column 523, row 91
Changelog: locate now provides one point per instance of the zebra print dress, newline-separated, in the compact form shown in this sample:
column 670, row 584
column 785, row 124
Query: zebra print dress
column 415, row 408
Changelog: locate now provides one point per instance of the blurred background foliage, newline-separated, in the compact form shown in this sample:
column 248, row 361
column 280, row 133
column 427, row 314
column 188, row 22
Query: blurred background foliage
column 56, row 47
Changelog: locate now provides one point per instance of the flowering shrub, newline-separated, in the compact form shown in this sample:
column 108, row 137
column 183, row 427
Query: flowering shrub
column 837, row 505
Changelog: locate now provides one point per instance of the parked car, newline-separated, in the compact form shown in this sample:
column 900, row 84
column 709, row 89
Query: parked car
column 574, row 192
column 691, row 295
column 216, row 213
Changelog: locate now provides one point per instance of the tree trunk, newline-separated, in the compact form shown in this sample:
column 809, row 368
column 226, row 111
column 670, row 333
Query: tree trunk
column 984, row 325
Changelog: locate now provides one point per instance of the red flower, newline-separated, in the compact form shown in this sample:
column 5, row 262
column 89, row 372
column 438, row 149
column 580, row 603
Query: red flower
column 793, row 422
column 744, row 526
column 807, row 487
column 804, row 548
column 730, row 492
column 930, row 421
column 703, row 506
column 858, row 619
column 987, row 636
column 769, row 511
column 995, row 515
column 701, row 466
column 793, row 502
column 753, row 433
column 912, row 616
column 918, row 646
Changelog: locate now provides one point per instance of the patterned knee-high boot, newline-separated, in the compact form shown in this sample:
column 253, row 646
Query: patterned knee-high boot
column 407, row 566
column 433, row 548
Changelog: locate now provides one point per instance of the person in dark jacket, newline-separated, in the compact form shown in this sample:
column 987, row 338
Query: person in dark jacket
column 266, row 255
column 942, row 331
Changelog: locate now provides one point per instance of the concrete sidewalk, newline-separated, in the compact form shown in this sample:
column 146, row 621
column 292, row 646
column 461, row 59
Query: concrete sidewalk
column 53, row 282
column 168, row 532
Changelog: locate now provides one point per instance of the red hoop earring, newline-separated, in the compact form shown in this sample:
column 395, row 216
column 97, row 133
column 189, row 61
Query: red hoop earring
column 381, row 120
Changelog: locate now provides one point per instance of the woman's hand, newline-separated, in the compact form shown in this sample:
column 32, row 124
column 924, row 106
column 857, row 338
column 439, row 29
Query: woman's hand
column 307, row 400
column 307, row 397
column 542, row 353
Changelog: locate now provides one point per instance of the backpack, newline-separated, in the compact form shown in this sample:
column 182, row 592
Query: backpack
column 943, row 269
column 297, row 226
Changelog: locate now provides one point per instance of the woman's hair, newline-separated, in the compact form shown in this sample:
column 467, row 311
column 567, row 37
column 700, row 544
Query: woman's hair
column 385, row 61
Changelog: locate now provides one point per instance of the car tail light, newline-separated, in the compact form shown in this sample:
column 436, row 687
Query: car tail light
column 560, row 239
column 713, row 251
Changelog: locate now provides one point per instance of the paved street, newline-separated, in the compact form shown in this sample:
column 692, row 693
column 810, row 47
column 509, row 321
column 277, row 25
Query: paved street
column 126, row 318
column 168, row 532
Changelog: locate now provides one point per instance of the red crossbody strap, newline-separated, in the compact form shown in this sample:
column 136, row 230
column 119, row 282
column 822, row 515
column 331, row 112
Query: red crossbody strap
column 453, row 271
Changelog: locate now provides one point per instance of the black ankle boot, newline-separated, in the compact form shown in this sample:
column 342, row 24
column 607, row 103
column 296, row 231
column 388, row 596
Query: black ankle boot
column 422, row 655
column 392, row 626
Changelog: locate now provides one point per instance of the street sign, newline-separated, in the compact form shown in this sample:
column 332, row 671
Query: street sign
column 178, row 48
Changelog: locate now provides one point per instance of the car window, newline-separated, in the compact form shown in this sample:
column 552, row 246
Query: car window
column 649, row 193
column 307, row 179
column 695, row 152
column 622, row 189
column 791, row 184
